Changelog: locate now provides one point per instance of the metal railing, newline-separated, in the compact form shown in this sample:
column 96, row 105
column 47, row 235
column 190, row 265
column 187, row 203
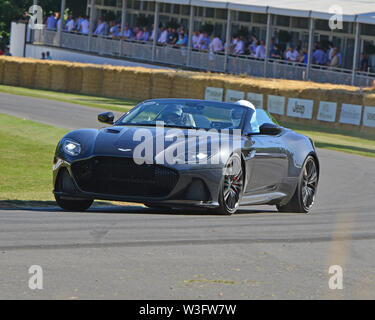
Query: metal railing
column 209, row 61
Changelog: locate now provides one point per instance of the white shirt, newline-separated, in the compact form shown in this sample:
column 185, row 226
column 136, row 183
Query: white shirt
column 163, row 37
column 69, row 25
column 239, row 48
column 260, row 52
column 216, row 45
column 195, row 40
column 293, row 56
column 85, row 25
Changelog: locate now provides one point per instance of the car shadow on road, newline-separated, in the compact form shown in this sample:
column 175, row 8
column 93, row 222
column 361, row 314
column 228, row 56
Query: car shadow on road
column 109, row 208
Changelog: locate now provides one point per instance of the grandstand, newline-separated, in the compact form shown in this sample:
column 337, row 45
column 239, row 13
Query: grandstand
column 303, row 22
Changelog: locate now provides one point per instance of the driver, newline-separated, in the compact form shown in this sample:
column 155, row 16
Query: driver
column 173, row 115
column 253, row 121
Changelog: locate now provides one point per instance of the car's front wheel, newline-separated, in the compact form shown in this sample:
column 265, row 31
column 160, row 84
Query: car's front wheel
column 304, row 196
column 73, row 205
column 232, row 186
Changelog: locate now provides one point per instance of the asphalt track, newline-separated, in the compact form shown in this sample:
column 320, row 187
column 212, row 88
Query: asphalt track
column 137, row 253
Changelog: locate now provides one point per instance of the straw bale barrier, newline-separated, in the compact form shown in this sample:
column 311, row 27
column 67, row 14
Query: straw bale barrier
column 142, row 83
column 59, row 76
column 27, row 74
column 11, row 73
column 43, row 75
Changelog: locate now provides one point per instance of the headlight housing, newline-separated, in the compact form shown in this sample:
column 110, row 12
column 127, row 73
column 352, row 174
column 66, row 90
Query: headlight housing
column 72, row 148
column 192, row 158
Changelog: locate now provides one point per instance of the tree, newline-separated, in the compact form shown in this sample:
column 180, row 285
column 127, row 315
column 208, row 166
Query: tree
column 12, row 10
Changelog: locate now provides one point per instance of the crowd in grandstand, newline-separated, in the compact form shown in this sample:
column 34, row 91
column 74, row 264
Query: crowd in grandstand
column 203, row 41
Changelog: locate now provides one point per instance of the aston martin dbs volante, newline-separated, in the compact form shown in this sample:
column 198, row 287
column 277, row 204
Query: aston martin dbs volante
column 169, row 153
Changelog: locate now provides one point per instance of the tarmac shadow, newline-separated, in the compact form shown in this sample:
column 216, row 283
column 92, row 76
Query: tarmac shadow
column 109, row 208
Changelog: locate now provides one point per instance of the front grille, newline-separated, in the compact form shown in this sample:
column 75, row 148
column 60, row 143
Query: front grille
column 123, row 177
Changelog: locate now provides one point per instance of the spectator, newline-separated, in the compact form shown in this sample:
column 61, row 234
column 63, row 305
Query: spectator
column 253, row 45
column 43, row 56
column 318, row 56
column 48, row 56
column 339, row 56
column 275, row 52
column 291, row 55
column 239, row 48
column 363, row 64
column 260, row 51
column 52, row 22
column 303, row 58
column 69, row 26
column 25, row 17
column 138, row 34
column 163, row 36
column 127, row 34
column 78, row 22
column 102, row 28
column 84, row 26
column 153, row 33
column 172, row 36
column 182, row 41
column 330, row 52
column 145, row 34
column 204, row 43
column 216, row 44
column 195, row 39
column 334, row 58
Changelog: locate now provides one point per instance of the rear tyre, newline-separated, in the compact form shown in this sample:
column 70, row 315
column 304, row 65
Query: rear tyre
column 232, row 186
column 304, row 196
column 73, row 205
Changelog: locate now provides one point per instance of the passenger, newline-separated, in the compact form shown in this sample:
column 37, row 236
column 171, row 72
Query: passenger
column 253, row 121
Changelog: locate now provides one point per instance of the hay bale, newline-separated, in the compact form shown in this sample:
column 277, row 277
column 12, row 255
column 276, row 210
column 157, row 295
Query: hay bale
column 27, row 73
column 43, row 75
column 111, row 82
column 2, row 63
column 92, row 80
column 162, row 84
column 11, row 72
column 74, row 78
column 136, row 83
column 59, row 77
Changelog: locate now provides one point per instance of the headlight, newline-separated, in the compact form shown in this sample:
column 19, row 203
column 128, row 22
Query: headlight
column 72, row 148
column 192, row 158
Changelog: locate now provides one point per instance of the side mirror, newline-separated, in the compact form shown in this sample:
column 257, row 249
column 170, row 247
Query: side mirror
column 270, row 129
column 106, row 117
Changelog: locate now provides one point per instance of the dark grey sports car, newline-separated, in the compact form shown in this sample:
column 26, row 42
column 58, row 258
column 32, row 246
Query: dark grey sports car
column 193, row 153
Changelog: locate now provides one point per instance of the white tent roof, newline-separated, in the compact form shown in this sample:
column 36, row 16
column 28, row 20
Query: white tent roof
column 362, row 10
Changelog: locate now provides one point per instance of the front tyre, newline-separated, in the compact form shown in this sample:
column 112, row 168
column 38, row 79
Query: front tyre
column 304, row 196
column 73, row 205
column 231, row 187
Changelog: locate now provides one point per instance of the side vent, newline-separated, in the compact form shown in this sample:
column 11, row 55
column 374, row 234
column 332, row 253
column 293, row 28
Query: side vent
column 112, row 131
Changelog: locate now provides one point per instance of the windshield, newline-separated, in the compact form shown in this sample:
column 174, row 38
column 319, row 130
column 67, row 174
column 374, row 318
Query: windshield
column 186, row 114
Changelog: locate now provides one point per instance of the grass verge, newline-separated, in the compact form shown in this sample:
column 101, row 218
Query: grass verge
column 26, row 155
column 336, row 139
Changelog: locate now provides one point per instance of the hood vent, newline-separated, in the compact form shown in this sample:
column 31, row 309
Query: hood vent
column 112, row 131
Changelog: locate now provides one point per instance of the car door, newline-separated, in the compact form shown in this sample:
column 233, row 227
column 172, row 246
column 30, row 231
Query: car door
column 266, row 157
column 269, row 164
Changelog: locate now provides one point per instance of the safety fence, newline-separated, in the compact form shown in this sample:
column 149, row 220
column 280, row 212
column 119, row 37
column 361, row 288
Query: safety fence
column 169, row 55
